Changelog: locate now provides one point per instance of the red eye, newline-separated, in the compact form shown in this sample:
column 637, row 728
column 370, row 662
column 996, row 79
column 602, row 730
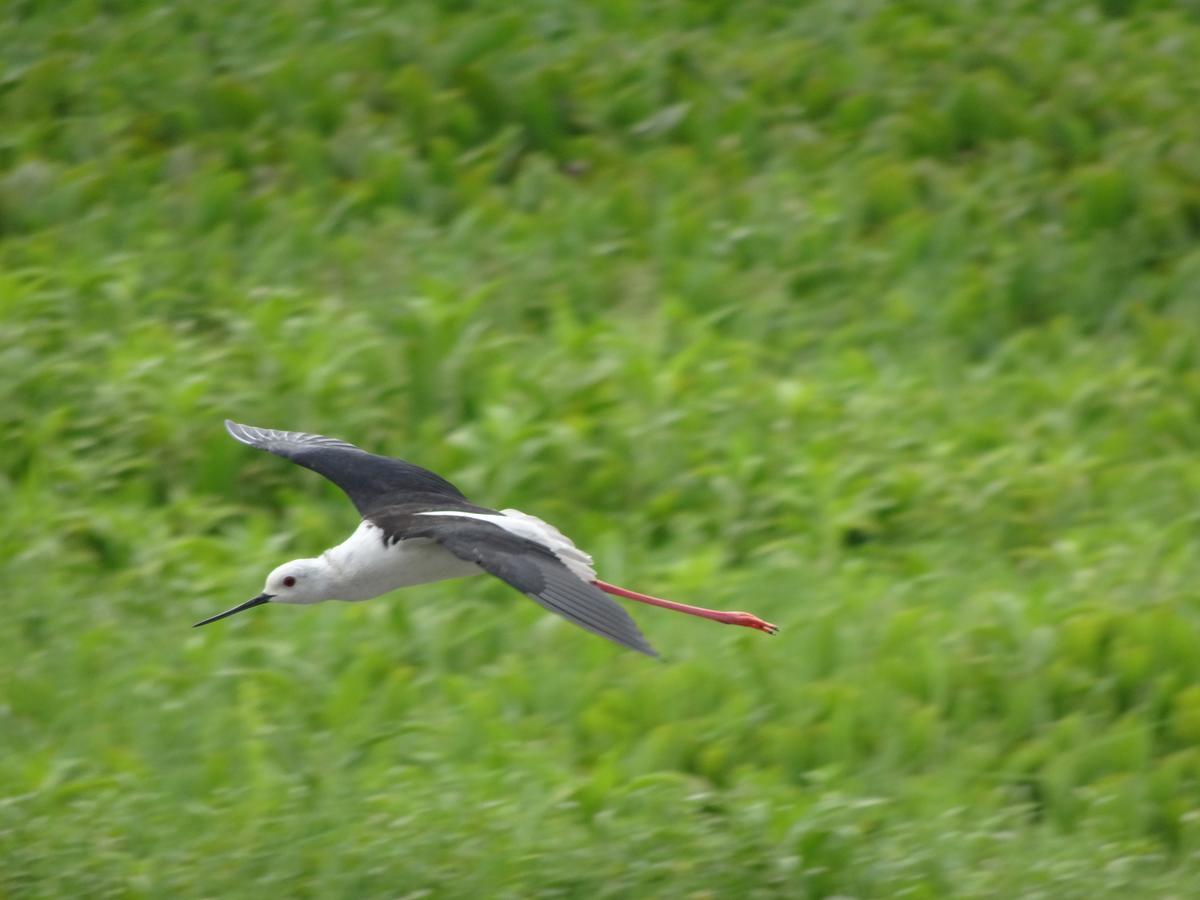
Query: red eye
column 289, row 581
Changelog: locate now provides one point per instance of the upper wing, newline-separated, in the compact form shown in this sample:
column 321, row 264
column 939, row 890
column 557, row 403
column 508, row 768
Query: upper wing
column 530, row 568
column 371, row 482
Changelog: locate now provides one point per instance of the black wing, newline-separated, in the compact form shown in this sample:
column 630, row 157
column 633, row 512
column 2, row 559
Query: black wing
column 527, row 566
column 371, row 482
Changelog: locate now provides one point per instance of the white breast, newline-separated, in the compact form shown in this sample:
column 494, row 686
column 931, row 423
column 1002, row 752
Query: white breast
column 363, row 567
column 534, row 529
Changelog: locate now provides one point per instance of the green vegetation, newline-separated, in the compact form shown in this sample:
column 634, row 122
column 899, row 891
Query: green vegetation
column 881, row 320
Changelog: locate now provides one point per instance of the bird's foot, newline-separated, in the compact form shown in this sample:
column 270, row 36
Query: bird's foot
column 749, row 620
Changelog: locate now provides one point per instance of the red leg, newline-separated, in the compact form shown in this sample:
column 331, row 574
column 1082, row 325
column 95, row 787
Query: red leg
column 749, row 620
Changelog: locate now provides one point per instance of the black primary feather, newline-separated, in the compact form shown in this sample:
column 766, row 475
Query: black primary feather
column 371, row 482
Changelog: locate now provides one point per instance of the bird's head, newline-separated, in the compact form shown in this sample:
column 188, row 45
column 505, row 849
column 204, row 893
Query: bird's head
column 298, row 581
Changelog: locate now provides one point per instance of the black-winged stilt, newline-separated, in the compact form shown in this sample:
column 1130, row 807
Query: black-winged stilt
column 417, row 528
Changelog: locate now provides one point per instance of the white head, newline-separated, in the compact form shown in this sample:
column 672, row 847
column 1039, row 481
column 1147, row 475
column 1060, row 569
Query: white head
column 298, row 581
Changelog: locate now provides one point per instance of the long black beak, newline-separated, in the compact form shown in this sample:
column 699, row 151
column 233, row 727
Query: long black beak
column 257, row 601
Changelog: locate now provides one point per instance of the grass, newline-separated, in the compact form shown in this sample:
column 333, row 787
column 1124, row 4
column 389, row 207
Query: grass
column 879, row 320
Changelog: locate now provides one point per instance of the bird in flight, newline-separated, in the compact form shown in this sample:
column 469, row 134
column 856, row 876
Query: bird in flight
column 418, row 528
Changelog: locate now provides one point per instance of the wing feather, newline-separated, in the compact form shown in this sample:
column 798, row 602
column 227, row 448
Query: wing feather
column 371, row 482
column 532, row 569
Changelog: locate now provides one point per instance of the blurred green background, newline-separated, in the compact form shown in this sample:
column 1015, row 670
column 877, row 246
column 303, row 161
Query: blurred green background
column 881, row 320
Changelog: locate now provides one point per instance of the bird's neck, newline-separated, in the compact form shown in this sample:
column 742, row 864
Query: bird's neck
column 359, row 552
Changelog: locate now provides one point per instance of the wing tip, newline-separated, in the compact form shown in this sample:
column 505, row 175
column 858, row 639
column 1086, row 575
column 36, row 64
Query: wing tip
column 274, row 440
column 239, row 432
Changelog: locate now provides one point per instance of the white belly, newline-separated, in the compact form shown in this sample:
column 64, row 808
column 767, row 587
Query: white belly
column 365, row 568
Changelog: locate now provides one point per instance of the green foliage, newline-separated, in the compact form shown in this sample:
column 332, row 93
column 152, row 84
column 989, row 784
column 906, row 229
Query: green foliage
column 879, row 320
